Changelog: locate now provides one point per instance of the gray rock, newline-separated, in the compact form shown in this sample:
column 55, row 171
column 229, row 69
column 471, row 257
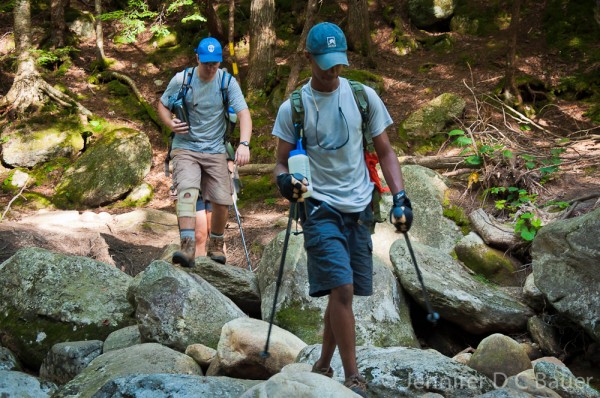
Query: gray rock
column 425, row 13
column 22, row 385
column 433, row 117
column 493, row 264
column 506, row 393
column 532, row 295
column 8, row 360
column 146, row 358
column 109, row 169
column 499, row 357
column 566, row 267
column 526, row 382
column 407, row 372
column 67, row 360
column 239, row 284
column 455, row 294
column 29, row 145
column 299, row 384
column 176, row 308
column 240, row 347
column 381, row 319
column 48, row 298
column 173, row 386
column 545, row 335
column 560, row 379
column 426, row 190
column 122, row 338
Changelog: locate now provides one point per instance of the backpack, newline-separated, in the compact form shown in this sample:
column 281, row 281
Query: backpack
column 231, row 121
column 371, row 159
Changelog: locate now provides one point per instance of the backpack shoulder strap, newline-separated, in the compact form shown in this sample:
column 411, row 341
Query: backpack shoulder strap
column 360, row 96
column 225, row 80
column 297, row 113
column 187, row 82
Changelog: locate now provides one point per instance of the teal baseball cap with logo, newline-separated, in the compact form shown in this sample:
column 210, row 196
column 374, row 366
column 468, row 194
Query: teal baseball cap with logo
column 327, row 44
column 209, row 50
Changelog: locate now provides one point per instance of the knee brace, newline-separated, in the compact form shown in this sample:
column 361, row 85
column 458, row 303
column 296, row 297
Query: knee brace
column 186, row 202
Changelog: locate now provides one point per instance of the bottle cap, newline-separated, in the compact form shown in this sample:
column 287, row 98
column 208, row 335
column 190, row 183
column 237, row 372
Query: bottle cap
column 297, row 152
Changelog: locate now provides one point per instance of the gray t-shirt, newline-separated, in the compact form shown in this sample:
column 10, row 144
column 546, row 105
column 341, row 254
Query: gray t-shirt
column 206, row 112
column 339, row 177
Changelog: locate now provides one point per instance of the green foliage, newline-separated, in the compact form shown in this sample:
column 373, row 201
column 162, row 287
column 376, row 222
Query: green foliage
column 52, row 59
column 515, row 200
column 571, row 28
column 7, row 6
column 257, row 189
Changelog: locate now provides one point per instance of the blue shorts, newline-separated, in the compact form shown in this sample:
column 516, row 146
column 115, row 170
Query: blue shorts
column 339, row 248
column 202, row 204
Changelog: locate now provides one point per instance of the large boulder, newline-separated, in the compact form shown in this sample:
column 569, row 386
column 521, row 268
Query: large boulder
column 499, row 357
column 173, row 385
column 28, row 145
column 17, row 384
column 382, row 319
column 566, row 268
column 493, row 264
column 146, row 358
column 407, row 372
column 47, row 298
column 426, row 190
column 425, row 13
column 457, row 296
column 433, row 117
column 109, row 169
column 176, row 308
column 241, row 346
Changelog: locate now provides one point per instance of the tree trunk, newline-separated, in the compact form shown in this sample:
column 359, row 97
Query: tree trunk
column 29, row 89
column 100, row 57
column 358, row 33
column 492, row 232
column 298, row 57
column 511, row 91
column 231, row 39
column 262, row 43
column 215, row 27
column 57, row 19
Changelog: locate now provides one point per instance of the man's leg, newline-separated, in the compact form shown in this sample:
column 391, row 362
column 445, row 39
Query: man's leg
column 340, row 330
column 186, row 213
column 216, row 243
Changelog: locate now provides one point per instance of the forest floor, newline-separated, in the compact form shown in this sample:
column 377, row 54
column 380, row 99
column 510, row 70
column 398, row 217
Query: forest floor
column 410, row 81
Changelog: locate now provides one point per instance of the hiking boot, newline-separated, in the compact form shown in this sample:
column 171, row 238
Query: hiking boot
column 186, row 257
column 357, row 384
column 216, row 250
column 328, row 372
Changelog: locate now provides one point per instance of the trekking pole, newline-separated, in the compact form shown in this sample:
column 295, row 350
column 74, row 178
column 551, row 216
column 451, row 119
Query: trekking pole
column 432, row 316
column 237, row 215
column 265, row 353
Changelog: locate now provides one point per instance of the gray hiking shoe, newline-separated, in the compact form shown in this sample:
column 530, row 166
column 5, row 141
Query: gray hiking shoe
column 357, row 384
column 186, row 257
column 216, row 250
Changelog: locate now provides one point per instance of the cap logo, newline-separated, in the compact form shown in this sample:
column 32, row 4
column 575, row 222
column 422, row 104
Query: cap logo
column 211, row 48
column 331, row 42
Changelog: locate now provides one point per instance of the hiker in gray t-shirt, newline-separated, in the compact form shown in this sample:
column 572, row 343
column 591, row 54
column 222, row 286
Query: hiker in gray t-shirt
column 337, row 216
column 198, row 150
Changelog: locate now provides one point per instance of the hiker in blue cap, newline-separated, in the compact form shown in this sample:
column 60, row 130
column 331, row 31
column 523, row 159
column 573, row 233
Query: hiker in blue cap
column 337, row 216
column 198, row 148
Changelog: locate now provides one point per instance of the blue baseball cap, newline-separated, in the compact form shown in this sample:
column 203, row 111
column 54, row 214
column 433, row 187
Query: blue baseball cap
column 209, row 50
column 327, row 44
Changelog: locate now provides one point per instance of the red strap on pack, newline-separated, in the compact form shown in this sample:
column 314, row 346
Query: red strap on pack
column 371, row 159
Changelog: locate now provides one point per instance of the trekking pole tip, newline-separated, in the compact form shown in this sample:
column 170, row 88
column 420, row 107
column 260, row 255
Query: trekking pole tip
column 433, row 317
column 265, row 354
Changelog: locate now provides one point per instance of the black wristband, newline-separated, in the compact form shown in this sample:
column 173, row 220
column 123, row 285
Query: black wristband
column 245, row 143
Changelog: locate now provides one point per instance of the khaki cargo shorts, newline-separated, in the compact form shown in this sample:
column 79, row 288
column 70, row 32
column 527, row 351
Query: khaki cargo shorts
column 205, row 171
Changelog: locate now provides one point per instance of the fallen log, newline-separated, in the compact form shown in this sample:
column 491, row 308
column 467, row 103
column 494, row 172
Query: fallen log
column 492, row 232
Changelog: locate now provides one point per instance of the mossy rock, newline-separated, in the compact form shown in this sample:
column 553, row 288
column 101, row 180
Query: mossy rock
column 116, row 163
column 432, row 118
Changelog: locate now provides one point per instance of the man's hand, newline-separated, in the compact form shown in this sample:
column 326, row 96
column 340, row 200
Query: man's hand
column 292, row 186
column 401, row 213
column 242, row 155
column 179, row 127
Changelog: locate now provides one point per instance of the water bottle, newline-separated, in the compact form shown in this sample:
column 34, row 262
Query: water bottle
column 298, row 163
column 231, row 116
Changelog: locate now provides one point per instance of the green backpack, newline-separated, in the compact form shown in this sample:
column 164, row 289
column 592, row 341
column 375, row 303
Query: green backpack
column 371, row 159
